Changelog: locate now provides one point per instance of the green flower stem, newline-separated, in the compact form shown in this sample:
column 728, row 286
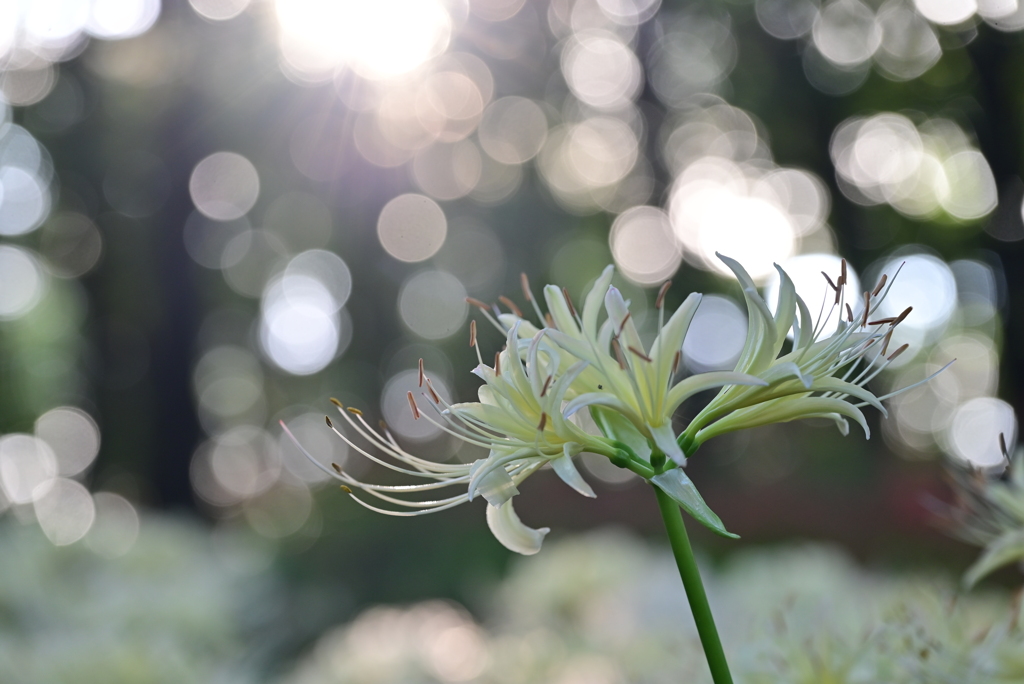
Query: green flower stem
column 694, row 588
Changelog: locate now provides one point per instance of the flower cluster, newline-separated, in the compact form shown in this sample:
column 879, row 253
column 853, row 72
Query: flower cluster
column 989, row 513
column 594, row 359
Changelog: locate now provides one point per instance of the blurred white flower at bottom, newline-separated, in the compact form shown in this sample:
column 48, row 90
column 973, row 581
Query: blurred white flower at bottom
column 579, row 615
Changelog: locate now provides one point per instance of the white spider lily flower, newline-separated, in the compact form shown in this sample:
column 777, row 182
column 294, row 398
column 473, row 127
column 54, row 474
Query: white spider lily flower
column 518, row 420
column 819, row 377
column 623, row 375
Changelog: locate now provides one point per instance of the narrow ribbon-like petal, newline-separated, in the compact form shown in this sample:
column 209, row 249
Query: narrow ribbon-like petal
column 488, row 477
column 782, row 411
column 705, row 381
column 619, row 313
column 566, row 469
column 559, row 309
column 785, row 369
column 508, row 529
column 670, row 340
column 756, row 354
column 598, row 399
column 576, row 347
column 665, row 440
column 595, row 298
column 785, row 309
column 831, row 384
column 806, row 326
column 526, row 328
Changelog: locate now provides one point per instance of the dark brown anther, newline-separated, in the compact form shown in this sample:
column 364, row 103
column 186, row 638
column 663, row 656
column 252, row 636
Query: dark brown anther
column 329, row 423
column 842, row 275
column 543, row 421
column 622, row 325
column 433, row 394
column 906, row 312
column 882, row 321
column 511, row 305
column 618, row 354
column 880, row 285
column 336, row 402
column 676, row 360
column 639, row 353
column 897, row 352
column 337, row 468
column 547, row 383
column 346, row 489
column 1002, row 446
column 830, row 283
column 525, row 282
column 568, row 300
column 497, row 363
column 472, row 335
column 849, row 313
column 886, row 340
column 472, row 329
column 354, row 410
column 867, row 306
column 550, row 321
column 413, row 406
column 661, row 294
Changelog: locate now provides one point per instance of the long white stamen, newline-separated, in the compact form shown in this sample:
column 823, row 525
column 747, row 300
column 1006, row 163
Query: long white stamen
column 393, row 449
column 910, row 387
column 408, row 514
column 525, row 282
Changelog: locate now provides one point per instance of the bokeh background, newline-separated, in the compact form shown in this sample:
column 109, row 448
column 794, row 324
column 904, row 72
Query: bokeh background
column 216, row 214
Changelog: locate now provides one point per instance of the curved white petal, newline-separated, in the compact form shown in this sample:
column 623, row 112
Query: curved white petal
column 785, row 309
column 830, row 384
column 566, row 469
column 577, row 347
column 665, row 440
column 559, row 310
column 526, row 328
column 618, row 312
column 757, row 349
column 783, row 410
column 685, row 389
column 488, row 477
column 804, row 332
column 595, row 298
column 670, row 339
column 782, row 370
column 841, row 423
column 508, row 529
column 597, row 399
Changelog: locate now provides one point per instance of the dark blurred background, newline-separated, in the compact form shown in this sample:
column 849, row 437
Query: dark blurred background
column 217, row 214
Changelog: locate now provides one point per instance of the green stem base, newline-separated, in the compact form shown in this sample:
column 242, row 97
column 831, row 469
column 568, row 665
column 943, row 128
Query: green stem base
column 694, row 588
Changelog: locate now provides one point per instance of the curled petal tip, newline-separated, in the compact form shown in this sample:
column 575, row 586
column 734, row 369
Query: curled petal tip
column 508, row 529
